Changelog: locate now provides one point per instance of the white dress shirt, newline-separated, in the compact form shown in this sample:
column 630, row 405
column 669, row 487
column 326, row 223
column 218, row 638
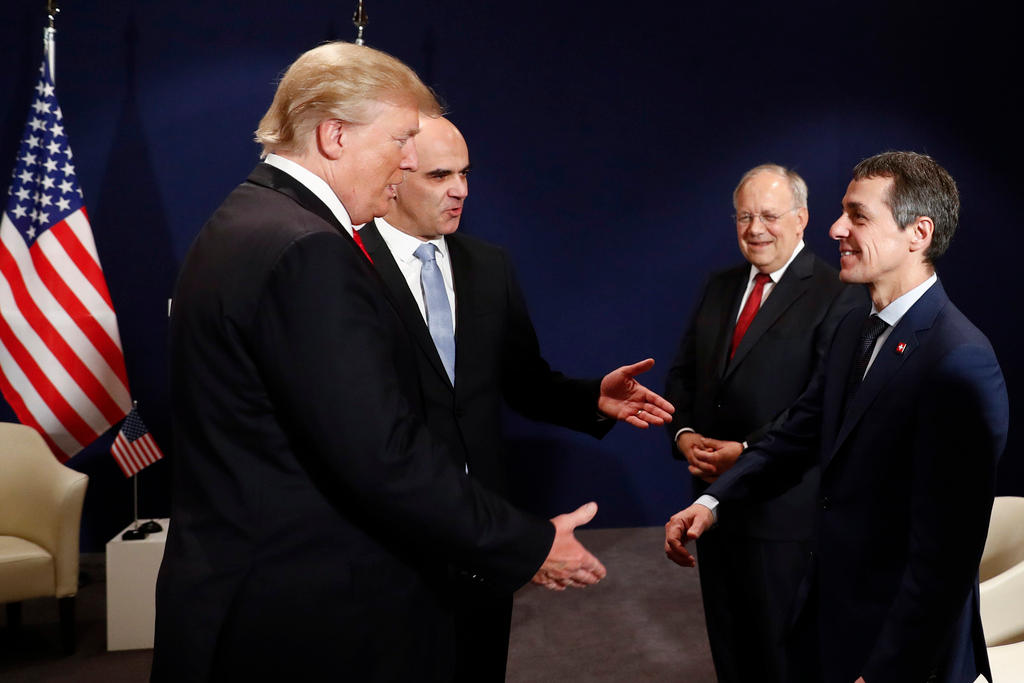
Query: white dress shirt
column 314, row 184
column 402, row 245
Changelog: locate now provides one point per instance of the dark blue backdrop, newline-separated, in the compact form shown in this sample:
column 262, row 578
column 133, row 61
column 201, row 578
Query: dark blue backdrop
column 606, row 140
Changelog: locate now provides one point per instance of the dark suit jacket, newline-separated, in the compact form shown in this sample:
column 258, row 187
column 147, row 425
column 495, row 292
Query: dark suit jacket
column 496, row 356
column 313, row 515
column 739, row 400
column 907, row 480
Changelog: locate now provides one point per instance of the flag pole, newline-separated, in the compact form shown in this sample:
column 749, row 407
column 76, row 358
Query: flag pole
column 135, row 533
column 49, row 37
column 360, row 20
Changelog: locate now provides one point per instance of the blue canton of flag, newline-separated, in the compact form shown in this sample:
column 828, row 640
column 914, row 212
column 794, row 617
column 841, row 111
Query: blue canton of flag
column 61, row 365
column 44, row 190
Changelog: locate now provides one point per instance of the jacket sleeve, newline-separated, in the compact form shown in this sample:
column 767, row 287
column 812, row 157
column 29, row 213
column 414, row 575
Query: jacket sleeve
column 530, row 386
column 681, row 381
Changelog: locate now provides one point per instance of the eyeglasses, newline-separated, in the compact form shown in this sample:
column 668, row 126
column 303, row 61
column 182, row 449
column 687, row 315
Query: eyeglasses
column 768, row 219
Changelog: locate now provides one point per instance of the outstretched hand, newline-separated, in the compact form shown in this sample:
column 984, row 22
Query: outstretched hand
column 684, row 526
column 568, row 563
column 623, row 398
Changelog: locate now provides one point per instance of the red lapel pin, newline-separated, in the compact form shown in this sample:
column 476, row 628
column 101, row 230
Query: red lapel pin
column 901, row 347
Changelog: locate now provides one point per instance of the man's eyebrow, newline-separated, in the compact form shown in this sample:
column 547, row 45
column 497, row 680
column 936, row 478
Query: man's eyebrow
column 439, row 173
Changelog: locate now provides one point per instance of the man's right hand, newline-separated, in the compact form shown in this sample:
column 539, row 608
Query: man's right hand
column 568, row 563
column 684, row 526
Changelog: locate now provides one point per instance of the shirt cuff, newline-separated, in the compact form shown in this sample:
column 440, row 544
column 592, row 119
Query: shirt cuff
column 711, row 503
column 684, row 429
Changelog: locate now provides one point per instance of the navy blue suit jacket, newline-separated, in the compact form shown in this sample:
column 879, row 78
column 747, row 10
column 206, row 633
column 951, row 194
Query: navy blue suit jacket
column 907, row 481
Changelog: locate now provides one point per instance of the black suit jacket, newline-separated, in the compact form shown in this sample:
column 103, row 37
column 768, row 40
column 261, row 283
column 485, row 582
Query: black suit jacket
column 739, row 400
column 497, row 357
column 907, row 480
column 313, row 515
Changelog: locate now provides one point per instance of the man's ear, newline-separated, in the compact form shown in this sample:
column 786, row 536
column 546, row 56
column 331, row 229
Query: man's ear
column 802, row 217
column 330, row 138
column 922, row 230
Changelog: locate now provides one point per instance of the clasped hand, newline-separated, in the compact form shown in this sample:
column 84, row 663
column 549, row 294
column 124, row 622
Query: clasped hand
column 708, row 458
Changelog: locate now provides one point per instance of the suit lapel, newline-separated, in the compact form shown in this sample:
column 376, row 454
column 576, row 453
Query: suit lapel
column 461, row 275
column 401, row 297
column 905, row 339
column 732, row 295
column 275, row 179
column 791, row 287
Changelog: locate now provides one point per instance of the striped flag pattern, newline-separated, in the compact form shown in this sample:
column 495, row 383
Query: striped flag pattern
column 61, row 366
column 134, row 447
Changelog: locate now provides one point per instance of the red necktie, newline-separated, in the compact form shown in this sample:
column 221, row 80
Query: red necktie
column 749, row 311
column 359, row 241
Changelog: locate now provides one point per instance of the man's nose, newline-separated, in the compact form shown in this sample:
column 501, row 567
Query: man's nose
column 410, row 162
column 838, row 230
column 460, row 188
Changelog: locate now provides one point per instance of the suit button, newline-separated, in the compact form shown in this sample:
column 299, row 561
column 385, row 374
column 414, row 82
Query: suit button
column 826, row 504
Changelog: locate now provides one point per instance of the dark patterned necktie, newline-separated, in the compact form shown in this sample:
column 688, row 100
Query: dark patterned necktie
column 872, row 328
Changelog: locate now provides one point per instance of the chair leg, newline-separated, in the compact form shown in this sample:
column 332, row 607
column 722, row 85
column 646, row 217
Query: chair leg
column 66, row 607
column 13, row 616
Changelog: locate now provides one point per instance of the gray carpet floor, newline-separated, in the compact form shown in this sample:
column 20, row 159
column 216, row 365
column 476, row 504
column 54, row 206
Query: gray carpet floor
column 644, row 622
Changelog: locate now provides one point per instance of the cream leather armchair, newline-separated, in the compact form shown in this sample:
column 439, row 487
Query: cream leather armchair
column 1002, row 590
column 40, row 517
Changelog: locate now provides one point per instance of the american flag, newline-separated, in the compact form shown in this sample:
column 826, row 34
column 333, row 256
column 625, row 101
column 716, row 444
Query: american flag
column 61, row 366
column 134, row 447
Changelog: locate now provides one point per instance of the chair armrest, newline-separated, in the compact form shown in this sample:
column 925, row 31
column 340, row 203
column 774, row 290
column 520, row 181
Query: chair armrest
column 65, row 552
column 1002, row 606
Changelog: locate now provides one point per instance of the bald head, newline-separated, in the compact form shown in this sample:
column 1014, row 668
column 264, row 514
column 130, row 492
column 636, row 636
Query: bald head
column 429, row 201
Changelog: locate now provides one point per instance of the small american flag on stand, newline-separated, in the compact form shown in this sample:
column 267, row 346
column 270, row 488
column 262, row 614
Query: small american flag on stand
column 134, row 447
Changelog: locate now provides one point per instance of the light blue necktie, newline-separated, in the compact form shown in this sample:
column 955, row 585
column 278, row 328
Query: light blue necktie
column 439, row 312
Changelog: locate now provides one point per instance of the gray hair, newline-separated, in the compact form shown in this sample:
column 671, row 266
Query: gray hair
column 797, row 186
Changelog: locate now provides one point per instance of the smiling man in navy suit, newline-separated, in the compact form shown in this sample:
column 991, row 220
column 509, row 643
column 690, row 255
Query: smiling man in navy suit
column 906, row 419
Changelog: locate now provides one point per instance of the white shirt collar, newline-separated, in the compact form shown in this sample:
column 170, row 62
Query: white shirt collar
column 402, row 244
column 777, row 275
column 314, row 184
column 895, row 311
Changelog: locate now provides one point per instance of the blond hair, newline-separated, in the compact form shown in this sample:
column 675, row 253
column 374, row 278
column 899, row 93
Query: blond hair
column 337, row 81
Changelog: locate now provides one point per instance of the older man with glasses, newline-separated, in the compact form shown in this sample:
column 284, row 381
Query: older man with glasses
column 757, row 333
